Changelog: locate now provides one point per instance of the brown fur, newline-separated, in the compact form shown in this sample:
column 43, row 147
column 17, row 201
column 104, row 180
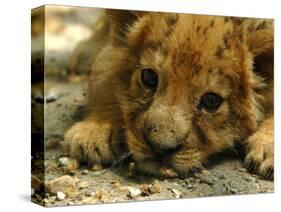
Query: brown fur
column 165, row 128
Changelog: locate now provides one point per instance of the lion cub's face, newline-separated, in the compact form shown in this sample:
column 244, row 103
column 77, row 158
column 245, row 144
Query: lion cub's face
column 191, row 83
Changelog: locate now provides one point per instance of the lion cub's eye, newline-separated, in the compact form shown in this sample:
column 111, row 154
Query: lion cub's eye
column 149, row 78
column 210, row 101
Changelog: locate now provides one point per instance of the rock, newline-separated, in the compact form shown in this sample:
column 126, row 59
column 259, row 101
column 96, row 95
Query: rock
column 85, row 172
column 189, row 186
column 233, row 191
column 51, row 95
column 134, row 192
column 155, row 187
column 101, row 195
column 176, row 193
column 60, row 195
column 207, row 179
column 83, row 184
column 52, row 198
column 65, row 184
column 90, row 200
column 151, row 189
column 64, row 161
column 250, row 179
column 97, row 167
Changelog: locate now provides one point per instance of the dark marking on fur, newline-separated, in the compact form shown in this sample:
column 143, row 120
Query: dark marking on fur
column 198, row 29
column 205, row 30
column 261, row 26
column 171, row 19
column 199, row 131
column 212, row 23
column 153, row 45
column 219, row 52
column 226, row 19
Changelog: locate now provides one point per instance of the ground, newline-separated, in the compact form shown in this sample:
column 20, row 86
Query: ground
column 66, row 95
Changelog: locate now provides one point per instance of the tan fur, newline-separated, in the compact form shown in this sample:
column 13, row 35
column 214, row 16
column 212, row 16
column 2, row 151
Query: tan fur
column 192, row 55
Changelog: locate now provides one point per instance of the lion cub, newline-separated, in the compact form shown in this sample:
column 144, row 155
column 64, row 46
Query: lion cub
column 173, row 89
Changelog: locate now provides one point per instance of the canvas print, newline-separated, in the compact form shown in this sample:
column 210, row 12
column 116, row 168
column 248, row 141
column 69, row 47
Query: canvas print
column 138, row 105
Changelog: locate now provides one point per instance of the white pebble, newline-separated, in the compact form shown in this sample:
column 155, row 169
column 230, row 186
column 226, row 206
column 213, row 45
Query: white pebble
column 61, row 195
column 134, row 192
column 64, row 161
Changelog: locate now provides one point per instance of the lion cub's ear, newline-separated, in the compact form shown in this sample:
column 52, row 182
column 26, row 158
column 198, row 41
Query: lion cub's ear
column 120, row 22
column 261, row 45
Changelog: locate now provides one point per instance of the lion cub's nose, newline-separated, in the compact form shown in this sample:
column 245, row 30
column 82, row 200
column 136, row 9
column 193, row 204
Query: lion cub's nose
column 162, row 139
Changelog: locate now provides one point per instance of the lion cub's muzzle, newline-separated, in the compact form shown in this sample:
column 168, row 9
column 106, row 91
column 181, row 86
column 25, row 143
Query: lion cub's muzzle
column 164, row 137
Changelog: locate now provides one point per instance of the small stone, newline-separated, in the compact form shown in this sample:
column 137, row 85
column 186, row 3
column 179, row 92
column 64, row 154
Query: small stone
column 51, row 96
column 205, row 172
column 65, row 184
column 85, row 172
column 189, row 186
column 60, row 195
column 64, row 161
column 207, row 180
column 83, row 184
column 134, row 192
column 97, row 167
column 176, row 193
column 257, row 186
column 101, row 195
column 52, row 198
column 115, row 184
column 90, row 200
column 233, row 191
column 250, row 179
column 242, row 170
column 155, row 187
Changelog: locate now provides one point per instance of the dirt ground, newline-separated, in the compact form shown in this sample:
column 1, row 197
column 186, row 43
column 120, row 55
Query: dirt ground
column 66, row 96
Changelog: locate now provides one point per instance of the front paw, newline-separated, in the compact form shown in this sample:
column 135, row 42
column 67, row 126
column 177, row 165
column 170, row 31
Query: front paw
column 187, row 162
column 89, row 141
column 260, row 154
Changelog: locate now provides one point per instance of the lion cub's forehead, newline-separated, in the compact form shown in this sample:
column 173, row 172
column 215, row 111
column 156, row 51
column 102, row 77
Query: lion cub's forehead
column 190, row 42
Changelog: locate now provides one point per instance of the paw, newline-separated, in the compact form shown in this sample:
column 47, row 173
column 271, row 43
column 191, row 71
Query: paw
column 89, row 142
column 187, row 162
column 260, row 154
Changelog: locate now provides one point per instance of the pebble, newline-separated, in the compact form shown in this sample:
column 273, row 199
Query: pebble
column 64, row 161
column 242, row 170
column 176, row 193
column 97, row 167
column 83, row 184
column 51, row 96
column 207, row 180
column 134, row 192
column 52, row 198
column 60, row 195
column 85, row 172
column 250, row 179
column 189, row 186
column 233, row 191
column 65, row 184
column 151, row 189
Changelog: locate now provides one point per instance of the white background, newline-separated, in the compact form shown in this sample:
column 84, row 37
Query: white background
column 15, row 103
